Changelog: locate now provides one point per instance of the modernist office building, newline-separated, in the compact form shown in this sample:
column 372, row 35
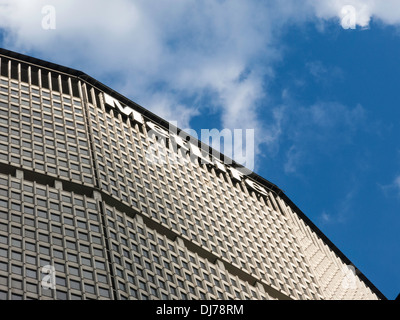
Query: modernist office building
column 93, row 205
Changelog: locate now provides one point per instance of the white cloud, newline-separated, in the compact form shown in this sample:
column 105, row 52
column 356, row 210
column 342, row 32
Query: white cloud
column 387, row 11
column 165, row 106
column 162, row 54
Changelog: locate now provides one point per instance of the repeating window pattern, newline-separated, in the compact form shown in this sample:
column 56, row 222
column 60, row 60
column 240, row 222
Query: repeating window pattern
column 40, row 226
column 58, row 126
column 199, row 204
column 149, row 265
column 44, row 130
column 335, row 278
column 141, row 263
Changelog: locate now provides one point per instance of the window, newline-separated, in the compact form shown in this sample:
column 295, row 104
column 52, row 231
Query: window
column 89, row 288
column 104, row 292
column 75, row 284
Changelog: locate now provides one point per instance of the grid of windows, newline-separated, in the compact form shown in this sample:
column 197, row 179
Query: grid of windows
column 44, row 130
column 40, row 226
column 144, row 263
column 56, row 126
column 154, row 267
column 199, row 204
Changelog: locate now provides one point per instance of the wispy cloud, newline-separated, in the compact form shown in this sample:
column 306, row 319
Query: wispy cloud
column 317, row 69
column 172, row 56
column 294, row 157
column 325, row 218
column 165, row 55
column 344, row 207
column 319, row 129
column 396, row 185
column 391, row 189
column 324, row 73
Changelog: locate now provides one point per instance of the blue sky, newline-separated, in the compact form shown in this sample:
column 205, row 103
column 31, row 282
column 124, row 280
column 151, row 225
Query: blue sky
column 324, row 100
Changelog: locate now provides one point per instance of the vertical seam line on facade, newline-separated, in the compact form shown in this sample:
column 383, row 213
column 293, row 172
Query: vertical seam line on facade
column 97, row 186
column 71, row 186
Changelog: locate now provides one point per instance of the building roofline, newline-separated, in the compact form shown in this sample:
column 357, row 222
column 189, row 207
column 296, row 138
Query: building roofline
column 97, row 84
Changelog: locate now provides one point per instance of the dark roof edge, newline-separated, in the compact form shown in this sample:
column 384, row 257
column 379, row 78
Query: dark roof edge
column 95, row 83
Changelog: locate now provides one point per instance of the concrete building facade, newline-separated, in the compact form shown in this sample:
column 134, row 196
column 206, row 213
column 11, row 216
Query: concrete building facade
column 100, row 199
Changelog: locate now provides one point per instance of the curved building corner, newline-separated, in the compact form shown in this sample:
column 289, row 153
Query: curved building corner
column 93, row 206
